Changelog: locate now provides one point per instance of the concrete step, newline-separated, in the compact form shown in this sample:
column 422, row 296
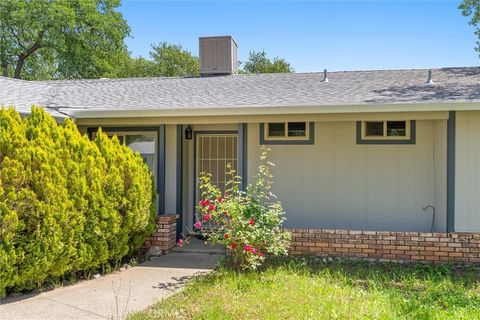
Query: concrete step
column 198, row 246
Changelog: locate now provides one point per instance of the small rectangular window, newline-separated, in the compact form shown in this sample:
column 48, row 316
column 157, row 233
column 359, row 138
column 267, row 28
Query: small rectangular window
column 276, row 129
column 396, row 128
column 374, row 129
column 386, row 132
column 286, row 133
column 297, row 129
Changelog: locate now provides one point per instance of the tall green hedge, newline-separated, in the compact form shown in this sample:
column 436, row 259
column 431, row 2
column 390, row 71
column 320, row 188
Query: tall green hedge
column 67, row 204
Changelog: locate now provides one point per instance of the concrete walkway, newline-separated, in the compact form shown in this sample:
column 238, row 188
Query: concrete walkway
column 112, row 296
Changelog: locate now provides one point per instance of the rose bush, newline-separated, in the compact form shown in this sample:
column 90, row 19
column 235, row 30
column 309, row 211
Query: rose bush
column 247, row 222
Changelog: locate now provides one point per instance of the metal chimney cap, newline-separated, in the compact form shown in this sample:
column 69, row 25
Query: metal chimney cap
column 429, row 79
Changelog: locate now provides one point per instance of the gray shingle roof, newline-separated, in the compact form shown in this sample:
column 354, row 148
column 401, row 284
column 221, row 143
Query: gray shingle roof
column 297, row 89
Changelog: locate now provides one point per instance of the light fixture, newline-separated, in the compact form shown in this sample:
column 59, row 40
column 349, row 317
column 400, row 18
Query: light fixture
column 188, row 133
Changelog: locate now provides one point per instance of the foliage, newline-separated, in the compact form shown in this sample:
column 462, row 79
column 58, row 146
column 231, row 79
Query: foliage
column 45, row 39
column 67, row 204
column 172, row 60
column 129, row 67
column 258, row 62
column 303, row 289
column 248, row 223
column 472, row 8
column 167, row 60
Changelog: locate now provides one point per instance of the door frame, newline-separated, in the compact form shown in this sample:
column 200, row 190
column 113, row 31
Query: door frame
column 195, row 136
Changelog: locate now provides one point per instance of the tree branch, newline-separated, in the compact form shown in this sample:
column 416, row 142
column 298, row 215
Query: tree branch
column 24, row 55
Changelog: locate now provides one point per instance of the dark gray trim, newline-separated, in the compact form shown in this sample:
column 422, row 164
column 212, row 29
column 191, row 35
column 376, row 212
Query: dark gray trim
column 311, row 139
column 160, row 161
column 412, row 140
column 242, row 153
column 451, row 133
column 179, row 191
column 195, row 134
column 161, row 169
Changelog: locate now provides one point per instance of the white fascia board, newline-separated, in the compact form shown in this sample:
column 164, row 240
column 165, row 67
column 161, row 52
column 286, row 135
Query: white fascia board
column 85, row 113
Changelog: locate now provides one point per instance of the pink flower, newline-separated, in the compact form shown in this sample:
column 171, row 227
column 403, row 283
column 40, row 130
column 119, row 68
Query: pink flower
column 220, row 199
column 247, row 248
column 198, row 225
column 234, row 245
column 211, row 207
column 206, row 217
column 225, row 236
column 252, row 222
column 260, row 254
column 253, row 251
column 180, row 242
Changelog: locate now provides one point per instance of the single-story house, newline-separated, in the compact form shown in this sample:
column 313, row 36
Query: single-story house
column 392, row 153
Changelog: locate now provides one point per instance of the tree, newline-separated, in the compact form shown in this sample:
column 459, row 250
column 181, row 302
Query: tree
column 472, row 8
column 167, row 60
column 258, row 62
column 172, row 60
column 128, row 67
column 44, row 39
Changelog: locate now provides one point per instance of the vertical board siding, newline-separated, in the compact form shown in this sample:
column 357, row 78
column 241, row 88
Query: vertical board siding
column 440, row 177
column 467, row 171
column 171, row 172
column 337, row 183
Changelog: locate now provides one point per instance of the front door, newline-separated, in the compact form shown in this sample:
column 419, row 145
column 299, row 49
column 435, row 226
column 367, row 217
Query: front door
column 214, row 151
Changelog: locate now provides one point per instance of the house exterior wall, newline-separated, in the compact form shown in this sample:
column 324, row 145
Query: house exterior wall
column 337, row 184
column 467, row 171
column 170, row 169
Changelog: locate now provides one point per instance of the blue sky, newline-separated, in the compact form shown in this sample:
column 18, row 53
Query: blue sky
column 314, row 35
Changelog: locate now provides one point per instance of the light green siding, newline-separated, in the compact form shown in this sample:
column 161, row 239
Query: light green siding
column 336, row 183
column 467, row 171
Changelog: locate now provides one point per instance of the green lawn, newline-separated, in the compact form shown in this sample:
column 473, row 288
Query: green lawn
column 297, row 289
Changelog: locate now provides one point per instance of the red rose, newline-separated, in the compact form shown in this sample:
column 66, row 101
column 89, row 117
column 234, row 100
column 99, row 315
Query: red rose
column 253, row 250
column 260, row 254
column 211, row 207
column 204, row 203
column 247, row 248
column 234, row 245
column 180, row 242
column 206, row 217
column 252, row 222
column 225, row 236
column 220, row 199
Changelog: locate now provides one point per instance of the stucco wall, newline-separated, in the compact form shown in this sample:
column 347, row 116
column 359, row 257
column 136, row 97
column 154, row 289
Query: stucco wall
column 336, row 183
column 467, row 171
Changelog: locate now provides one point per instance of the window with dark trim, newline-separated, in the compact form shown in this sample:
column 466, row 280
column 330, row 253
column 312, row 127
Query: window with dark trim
column 287, row 133
column 386, row 132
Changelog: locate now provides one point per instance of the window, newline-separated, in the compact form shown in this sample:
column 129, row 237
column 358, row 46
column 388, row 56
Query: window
column 287, row 133
column 386, row 132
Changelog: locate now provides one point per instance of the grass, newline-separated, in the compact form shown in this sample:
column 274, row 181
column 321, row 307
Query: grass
column 309, row 289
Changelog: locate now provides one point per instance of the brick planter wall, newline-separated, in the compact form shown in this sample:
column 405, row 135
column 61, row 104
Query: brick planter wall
column 387, row 246
column 163, row 239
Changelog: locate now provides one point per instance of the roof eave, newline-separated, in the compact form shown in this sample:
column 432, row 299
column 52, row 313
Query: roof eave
column 84, row 113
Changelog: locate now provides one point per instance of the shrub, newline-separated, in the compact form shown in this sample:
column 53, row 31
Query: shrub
column 247, row 222
column 67, row 204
